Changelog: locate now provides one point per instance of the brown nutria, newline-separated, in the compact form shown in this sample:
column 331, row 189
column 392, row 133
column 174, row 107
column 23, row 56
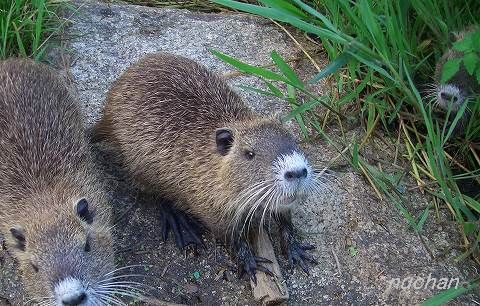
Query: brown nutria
column 53, row 208
column 461, row 86
column 182, row 132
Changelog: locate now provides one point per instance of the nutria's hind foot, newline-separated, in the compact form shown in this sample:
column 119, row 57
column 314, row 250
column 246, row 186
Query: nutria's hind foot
column 249, row 263
column 186, row 230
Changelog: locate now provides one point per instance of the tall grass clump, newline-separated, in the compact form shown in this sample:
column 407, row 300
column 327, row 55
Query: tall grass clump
column 381, row 54
column 27, row 26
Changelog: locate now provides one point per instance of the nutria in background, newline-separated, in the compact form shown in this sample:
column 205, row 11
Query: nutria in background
column 460, row 87
column 53, row 209
column 183, row 133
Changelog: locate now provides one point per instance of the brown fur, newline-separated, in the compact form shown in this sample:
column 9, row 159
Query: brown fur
column 45, row 168
column 162, row 114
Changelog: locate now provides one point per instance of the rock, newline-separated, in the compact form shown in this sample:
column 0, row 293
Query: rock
column 106, row 39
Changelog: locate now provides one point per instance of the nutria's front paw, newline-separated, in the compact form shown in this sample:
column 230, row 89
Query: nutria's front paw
column 297, row 255
column 249, row 263
column 186, row 230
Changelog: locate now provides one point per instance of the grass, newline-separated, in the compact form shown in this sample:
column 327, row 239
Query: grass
column 27, row 26
column 381, row 52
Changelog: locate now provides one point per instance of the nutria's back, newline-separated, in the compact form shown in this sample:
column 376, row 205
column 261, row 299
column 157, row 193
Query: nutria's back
column 42, row 132
column 53, row 208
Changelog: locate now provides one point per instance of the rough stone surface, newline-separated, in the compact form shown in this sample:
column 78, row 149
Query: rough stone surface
column 362, row 242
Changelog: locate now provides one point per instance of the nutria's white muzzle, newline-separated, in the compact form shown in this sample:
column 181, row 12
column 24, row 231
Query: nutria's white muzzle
column 292, row 174
column 71, row 292
column 450, row 96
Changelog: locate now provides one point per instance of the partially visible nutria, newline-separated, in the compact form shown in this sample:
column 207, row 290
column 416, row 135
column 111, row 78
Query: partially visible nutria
column 458, row 89
column 183, row 133
column 53, row 209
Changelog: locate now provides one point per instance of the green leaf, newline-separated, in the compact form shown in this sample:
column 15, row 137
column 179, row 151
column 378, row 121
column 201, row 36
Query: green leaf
column 464, row 45
column 333, row 66
column 355, row 161
column 21, row 47
column 478, row 75
column 476, row 40
column 422, row 219
column 247, row 68
column 285, row 6
column 470, row 61
column 469, row 227
column 352, row 250
column 279, row 15
column 274, row 89
column 317, row 14
column 286, row 70
column 302, row 108
column 450, row 68
column 448, row 295
column 371, row 64
column 257, row 90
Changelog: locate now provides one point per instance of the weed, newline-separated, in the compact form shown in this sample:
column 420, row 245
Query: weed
column 26, row 26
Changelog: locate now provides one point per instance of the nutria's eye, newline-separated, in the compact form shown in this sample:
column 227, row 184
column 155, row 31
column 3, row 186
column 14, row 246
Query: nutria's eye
column 34, row 266
column 83, row 212
column 249, row 154
column 87, row 245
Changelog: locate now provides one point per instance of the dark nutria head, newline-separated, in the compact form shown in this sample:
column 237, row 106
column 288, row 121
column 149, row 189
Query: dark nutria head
column 263, row 170
column 66, row 253
column 460, row 87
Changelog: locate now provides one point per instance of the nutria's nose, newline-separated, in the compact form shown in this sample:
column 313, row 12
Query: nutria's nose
column 75, row 299
column 296, row 174
column 449, row 97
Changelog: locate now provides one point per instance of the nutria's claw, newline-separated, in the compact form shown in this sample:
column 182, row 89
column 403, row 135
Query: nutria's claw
column 262, row 260
column 185, row 230
column 250, row 264
column 297, row 255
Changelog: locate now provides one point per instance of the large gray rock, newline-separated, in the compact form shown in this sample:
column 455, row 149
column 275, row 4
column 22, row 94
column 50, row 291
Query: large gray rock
column 362, row 243
column 106, row 39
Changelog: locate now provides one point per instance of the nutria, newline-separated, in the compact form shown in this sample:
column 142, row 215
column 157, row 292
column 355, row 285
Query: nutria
column 53, row 209
column 458, row 89
column 183, row 133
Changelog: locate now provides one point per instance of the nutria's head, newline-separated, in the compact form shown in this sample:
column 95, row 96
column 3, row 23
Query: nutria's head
column 263, row 169
column 65, row 252
column 458, row 89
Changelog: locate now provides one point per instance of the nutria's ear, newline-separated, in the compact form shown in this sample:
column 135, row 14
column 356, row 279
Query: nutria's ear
column 224, row 139
column 19, row 235
column 82, row 211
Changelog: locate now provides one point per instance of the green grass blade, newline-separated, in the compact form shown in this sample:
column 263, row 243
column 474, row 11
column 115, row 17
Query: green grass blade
column 284, row 17
column 286, row 70
column 247, row 68
column 286, row 6
column 332, row 67
column 317, row 14
column 449, row 294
